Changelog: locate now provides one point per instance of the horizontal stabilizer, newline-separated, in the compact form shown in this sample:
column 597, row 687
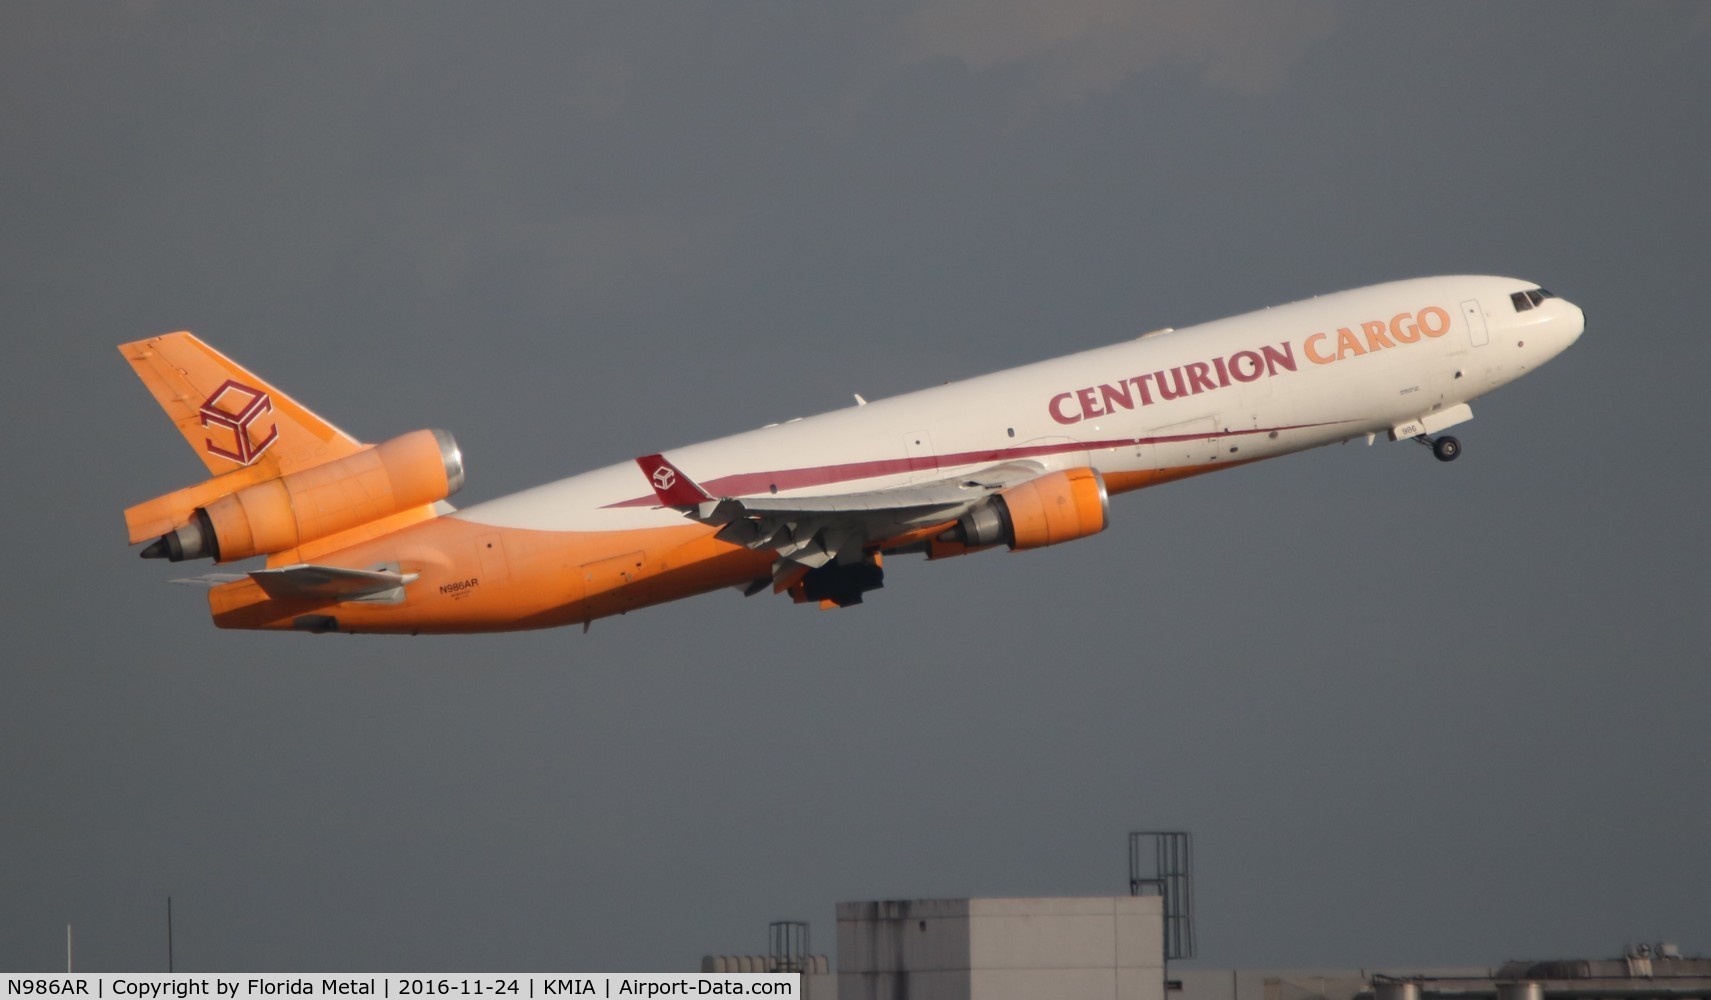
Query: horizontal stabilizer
column 209, row 580
column 332, row 583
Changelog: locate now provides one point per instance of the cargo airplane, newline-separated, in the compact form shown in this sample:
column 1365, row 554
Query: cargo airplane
column 359, row 537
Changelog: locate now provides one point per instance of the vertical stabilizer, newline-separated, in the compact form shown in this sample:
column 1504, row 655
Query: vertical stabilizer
column 233, row 420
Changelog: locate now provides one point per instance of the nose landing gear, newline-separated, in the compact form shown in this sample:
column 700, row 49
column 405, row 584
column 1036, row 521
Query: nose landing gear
column 1444, row 449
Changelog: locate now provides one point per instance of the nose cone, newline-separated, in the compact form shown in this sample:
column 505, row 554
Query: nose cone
column 1563, row 323
column 1574, row 323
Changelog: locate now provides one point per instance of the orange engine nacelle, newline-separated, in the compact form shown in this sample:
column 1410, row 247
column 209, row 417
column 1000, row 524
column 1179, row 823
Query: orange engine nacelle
column 417, row 468
column 1059, row 507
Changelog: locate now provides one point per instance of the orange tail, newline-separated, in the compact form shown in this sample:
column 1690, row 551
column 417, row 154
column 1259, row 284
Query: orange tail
column 286, row 484
column 244, row 430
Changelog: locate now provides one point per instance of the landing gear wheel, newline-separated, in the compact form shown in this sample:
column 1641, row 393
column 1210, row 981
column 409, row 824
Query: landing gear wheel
column 1446, row 449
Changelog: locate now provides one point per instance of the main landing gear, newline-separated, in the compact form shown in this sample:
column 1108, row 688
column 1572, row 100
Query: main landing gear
column 1444, row 449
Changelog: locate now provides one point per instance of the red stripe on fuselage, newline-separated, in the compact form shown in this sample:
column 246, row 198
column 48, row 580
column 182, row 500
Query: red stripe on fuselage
column 751, row 483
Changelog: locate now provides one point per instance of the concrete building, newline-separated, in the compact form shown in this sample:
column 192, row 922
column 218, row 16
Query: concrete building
column 1105, row 947
column 1646, row 973
column 819, row 982
column 1113, row 948
column 1290, row 984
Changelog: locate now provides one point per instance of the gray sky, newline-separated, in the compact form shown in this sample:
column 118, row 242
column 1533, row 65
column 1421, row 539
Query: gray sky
column 1414, row 713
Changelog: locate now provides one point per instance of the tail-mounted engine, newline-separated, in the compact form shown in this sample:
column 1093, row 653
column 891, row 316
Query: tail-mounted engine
column 411, row 470
column 1059, row 507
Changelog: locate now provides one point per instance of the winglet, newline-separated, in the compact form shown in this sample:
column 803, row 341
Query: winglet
column 673, row 488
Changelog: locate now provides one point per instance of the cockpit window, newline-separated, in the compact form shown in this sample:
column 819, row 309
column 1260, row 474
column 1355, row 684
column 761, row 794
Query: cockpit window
column 1528, row 299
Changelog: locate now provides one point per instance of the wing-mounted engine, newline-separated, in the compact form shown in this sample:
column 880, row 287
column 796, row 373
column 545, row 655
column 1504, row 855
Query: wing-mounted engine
column 260, row 518
column 1058, row 507
column 828, row 548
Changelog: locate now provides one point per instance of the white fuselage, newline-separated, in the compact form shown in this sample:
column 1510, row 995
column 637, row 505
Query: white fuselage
column 1375, row 360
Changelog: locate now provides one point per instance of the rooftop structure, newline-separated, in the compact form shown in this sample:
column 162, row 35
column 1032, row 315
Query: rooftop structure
column 1101, row 947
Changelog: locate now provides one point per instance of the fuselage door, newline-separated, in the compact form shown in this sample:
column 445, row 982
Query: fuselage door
column 1475, row 317
column 608, row 583
column 923, row 463
column 491, row 550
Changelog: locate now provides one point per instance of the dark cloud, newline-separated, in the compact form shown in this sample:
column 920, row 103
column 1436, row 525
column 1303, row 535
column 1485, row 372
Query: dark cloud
column 1080, row 48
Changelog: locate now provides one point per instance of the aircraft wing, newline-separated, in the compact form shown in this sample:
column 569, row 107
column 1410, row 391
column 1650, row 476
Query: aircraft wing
column 807, row 532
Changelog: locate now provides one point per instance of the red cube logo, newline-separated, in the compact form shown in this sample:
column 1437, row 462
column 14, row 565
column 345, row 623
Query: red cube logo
column 235, row 409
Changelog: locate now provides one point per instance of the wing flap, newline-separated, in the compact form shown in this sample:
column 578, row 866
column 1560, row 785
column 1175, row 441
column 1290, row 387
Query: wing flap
column 949, row 492
column 808, row 532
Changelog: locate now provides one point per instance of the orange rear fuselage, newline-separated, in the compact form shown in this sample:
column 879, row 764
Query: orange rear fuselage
column 478, row 578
